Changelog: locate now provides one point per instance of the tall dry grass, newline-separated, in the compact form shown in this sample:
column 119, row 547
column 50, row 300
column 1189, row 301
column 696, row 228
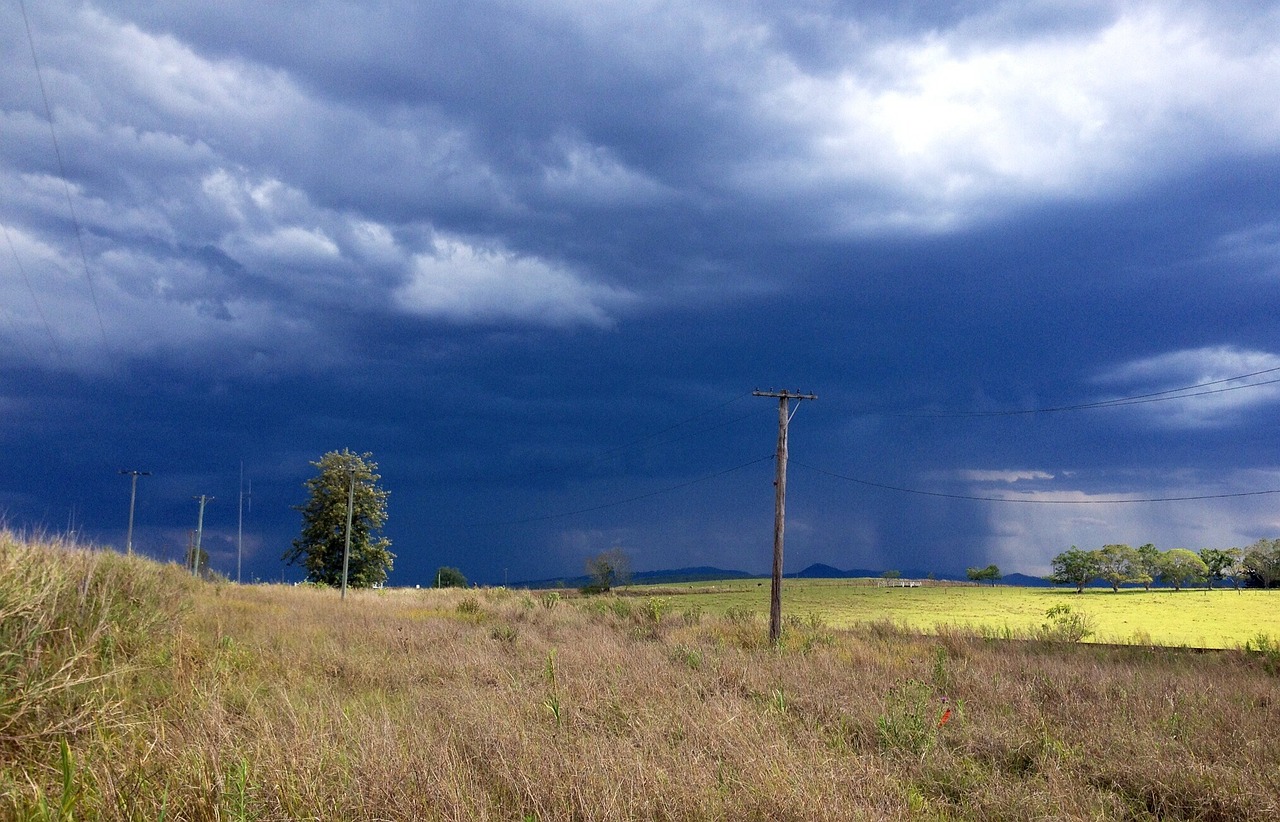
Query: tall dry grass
column 286, row 703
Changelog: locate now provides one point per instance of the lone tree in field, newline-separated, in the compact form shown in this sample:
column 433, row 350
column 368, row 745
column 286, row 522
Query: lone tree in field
column 450, row 577
column 324, row 523
column 1075, row 567
column 607, row 569
column 989, row 574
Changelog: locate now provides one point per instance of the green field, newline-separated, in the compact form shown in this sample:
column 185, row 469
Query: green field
column 1198, row 618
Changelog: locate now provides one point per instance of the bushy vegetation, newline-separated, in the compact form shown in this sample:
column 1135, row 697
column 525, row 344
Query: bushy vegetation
column 215, row 701
column 1117, row 565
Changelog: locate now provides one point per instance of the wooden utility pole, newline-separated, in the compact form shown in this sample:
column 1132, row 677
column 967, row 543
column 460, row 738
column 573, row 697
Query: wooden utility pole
column 195, row 555
column 346, row 548
column 780, row 506
column 133, row 497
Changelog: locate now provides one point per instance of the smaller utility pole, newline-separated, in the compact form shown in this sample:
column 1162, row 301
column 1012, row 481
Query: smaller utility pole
column 195, row 553
column 133, row 497
column 346, row 551
column 779, row 506
column 240, row 521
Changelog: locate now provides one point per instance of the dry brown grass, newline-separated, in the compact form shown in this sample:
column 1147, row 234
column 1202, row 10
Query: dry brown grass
column 285, row 703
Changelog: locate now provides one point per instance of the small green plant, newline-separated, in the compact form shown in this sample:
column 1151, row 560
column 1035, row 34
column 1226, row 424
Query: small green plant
column 504, row 633
column 654, row 608
column 778, row 701
column 621, row 607
column 911, row 718
column 739, row 616
column 692, row 615
column 64, row 811
column 550, row 599
column 238, row 793
column 469, row 606
column 1062, row 624
column 691, row 657
column 552, row 702
column 1268, row 647
column 941, row 676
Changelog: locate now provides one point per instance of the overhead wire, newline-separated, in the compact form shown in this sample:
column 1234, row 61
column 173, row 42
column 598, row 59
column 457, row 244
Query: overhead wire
column 641, row 444
column 36, row 300
column 616, row 503
column 66, row 186
column 1024, row 500
column 1137, row 399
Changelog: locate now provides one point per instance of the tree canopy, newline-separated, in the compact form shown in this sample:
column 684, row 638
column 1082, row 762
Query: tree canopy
column 450, row 577
column 1180, row 566
column 1075, row 567
column 1262, row 562
column 319, row 548
column 607, row 569
column 989, row 574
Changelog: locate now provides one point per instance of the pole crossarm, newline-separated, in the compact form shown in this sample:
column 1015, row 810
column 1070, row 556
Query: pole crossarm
column 788, row 395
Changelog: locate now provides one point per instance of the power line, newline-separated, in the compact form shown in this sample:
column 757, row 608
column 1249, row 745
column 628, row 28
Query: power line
column 62, row 173
column 39, row 309
column 1025, row 501
column 639, row 445
column 674, row 426
column 1137, row 399
column 616, row 503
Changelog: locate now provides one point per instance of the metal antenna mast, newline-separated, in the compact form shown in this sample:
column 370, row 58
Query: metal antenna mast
column 779, row 506
column 133, row 497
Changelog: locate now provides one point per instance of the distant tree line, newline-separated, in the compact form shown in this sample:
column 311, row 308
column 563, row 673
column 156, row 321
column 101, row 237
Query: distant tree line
column 1258, row 565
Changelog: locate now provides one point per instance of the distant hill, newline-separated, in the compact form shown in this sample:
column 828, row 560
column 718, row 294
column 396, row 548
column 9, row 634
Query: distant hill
column 1025, row 581
column 821, row 571
column 701, row 573
column 707, row 573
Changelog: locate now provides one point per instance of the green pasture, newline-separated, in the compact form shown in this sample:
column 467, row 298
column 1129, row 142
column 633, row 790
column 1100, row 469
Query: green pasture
column 1198, row 618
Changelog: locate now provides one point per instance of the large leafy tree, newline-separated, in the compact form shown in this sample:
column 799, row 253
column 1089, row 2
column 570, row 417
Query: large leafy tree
column 1148, row 564
column 1076, row 567
column 979, row 575
column 1180, row 566
column 1220, row 562
column 607, row 569
column 1119, row 564
column 324, row 522
column 1262, row 561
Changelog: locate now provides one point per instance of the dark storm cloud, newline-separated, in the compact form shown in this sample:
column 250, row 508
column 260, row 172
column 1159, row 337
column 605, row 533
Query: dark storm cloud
column 499, row 244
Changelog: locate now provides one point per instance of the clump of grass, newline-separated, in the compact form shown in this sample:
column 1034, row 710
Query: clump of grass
column 79, row 629
column 1268, row 648
column 911, row 717
column 72, row 622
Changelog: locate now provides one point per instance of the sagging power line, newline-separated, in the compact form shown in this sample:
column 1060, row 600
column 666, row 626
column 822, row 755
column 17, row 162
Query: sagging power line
column 1026, row 501
column 66, row 186
column 1137, row 399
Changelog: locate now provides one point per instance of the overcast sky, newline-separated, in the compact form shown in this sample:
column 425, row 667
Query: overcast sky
column 535, row 256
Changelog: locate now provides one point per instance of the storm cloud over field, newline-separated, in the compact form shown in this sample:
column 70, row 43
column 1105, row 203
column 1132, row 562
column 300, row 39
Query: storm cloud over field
column 535, row 256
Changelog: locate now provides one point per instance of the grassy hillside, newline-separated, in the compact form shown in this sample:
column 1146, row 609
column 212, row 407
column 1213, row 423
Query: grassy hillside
column 1198, row 618
column 190, row 701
